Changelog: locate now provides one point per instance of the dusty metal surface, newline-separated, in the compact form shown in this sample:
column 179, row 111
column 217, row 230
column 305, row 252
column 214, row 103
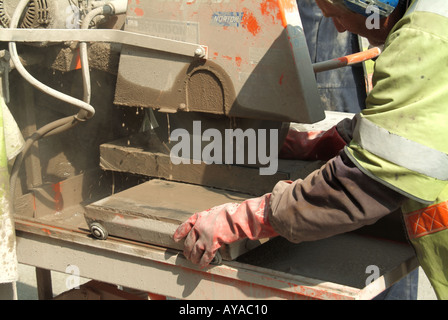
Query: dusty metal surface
column 103, row 57
column 263, row 47
column 70, row 153
column 64, row 56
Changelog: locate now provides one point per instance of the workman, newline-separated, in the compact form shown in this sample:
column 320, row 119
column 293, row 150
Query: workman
column 392, row 155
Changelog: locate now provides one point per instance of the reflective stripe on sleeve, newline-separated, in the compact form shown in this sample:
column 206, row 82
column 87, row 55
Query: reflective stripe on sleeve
column 401, row 151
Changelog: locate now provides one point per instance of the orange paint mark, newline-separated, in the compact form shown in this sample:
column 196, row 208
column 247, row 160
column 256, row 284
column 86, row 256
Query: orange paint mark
column 58, row 201
column 250, row 22
column 78, row 63
column 227, row 57
column 130, row 2
column 269, row 8
column 47, row 231
column 139, row 12
column 238, row 61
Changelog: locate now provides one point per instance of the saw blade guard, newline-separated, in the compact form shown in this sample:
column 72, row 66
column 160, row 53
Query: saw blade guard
column 254, row 64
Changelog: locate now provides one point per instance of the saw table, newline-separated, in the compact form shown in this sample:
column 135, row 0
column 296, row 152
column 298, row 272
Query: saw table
column 335, row 268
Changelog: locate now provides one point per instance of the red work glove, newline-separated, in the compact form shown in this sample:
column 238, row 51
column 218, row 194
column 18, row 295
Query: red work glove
column 312, row 145
column 206, row 231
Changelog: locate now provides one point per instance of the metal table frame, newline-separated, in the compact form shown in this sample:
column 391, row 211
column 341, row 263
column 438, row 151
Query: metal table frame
column 166, row 272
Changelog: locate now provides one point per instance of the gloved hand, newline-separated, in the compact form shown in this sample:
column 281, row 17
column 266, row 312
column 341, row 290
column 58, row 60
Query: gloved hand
column 312, row 145
column 207, row 231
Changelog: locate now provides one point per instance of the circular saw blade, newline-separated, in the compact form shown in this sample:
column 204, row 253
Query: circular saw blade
column 263, row 137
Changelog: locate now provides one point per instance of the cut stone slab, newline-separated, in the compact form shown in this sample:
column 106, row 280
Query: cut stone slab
column 135, row 155
column 152, row 211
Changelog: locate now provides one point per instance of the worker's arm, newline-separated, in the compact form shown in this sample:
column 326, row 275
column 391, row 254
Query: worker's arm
column 335, row 199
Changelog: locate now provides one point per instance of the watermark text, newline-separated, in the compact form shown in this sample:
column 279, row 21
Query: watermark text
column 236, row 147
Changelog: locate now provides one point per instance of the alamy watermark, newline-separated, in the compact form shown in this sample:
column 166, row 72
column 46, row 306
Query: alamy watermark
column 374, row 272
column 73, row 281
column 235, row 147
column 373, row 18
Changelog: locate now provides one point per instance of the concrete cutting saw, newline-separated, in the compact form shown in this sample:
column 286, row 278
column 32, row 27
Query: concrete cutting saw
column 220, row 64
column 252, row 70
column 254, row 61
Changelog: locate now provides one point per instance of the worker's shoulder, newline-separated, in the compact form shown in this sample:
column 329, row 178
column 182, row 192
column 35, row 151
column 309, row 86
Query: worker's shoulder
column 428, row 16
column 438, row 7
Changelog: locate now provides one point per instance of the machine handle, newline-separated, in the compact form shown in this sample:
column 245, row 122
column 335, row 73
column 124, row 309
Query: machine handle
column 347, row 60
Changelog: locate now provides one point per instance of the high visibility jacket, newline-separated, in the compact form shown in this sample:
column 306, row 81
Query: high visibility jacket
column 401, row 139
column 11, row 143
